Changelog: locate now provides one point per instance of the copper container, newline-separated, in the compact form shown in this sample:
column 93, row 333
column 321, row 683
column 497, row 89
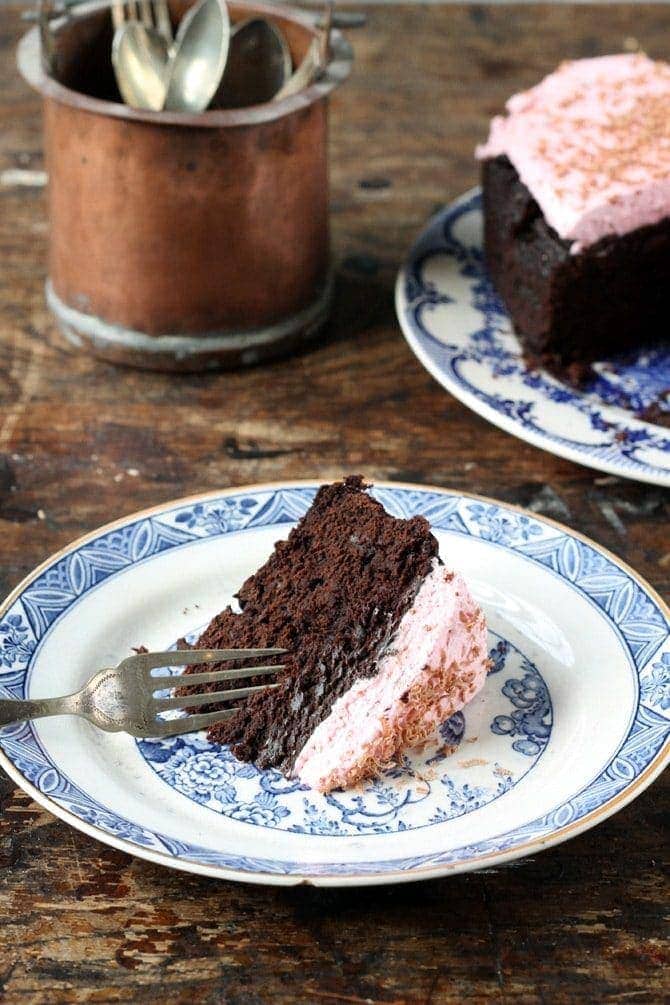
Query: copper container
column 180, row 241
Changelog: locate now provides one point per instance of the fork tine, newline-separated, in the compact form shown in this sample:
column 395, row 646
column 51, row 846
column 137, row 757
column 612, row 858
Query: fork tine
column 146, row 13
column 184, row 657
column 193, row 700
column 236, row 654
column 214, row 677
column 191, row 723
column 163, row 22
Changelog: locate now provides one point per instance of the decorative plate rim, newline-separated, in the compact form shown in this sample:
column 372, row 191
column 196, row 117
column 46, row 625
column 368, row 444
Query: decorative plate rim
column 511, row 425
column 185, row 864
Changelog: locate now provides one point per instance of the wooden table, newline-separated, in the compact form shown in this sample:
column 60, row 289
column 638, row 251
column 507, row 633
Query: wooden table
column 82, row 443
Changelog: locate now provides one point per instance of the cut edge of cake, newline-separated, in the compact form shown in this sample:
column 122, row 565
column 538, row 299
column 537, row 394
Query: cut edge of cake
column 375, row 626
column 435, row 664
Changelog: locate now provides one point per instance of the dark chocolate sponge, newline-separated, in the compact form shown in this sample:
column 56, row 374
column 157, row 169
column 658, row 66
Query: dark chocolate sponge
column 333, row 594
column 571, row 310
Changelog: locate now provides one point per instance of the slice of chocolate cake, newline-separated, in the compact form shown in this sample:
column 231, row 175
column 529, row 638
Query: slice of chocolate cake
column 384, row 642
column 576, row 183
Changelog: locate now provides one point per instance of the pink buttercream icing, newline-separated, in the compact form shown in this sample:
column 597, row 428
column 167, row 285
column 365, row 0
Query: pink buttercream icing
column 592, row 144
column 436, row 662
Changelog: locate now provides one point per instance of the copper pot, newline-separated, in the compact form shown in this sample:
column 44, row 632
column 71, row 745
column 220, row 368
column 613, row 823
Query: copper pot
column 179, row 241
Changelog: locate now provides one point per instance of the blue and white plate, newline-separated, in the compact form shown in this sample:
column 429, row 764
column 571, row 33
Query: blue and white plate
column 571, row 725
column 456, row 325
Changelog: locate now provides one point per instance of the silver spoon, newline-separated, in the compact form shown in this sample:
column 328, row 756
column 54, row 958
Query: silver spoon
column 200, row 53
column 259, row 64
column 307, row 72
column 141, row 58
column 315, row 60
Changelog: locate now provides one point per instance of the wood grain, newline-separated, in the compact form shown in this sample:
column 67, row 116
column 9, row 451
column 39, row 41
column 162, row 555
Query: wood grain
column 82, row 443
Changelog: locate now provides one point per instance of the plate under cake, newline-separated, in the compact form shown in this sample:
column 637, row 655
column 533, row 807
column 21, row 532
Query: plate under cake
column 384, row 642
column 576, row 204
column 571, row 725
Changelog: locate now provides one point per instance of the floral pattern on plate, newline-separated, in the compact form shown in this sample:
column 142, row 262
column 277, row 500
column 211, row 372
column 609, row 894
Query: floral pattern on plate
column 428, row 786
column 510, row 543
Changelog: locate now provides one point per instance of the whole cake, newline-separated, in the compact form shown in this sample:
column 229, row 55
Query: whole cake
column 384, row 642
column 576, row 187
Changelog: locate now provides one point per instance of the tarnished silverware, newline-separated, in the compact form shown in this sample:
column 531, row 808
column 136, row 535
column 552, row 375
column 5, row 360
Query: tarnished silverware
column 315, row 61
column 141, row 51
column 141, row 59
column 153, row 14
column 199, row 57
column 152, row 71
column 122, row 699
column 346, row 19
column 259, row 64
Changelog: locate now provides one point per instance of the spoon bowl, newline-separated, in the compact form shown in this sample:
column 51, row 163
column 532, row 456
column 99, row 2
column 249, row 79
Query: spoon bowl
column 200, row 54
column 141, row 60
column 259, row 64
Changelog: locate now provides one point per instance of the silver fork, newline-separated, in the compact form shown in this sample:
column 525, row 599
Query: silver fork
column 146, row 12
column 121, row 699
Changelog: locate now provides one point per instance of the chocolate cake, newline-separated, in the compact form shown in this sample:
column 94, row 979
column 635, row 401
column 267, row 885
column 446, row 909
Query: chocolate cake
column 383, row 642
column 576, row 187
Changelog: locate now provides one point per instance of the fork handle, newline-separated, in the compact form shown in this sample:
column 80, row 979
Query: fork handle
column 12, row 711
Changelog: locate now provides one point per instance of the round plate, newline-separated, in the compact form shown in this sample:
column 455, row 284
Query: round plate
column 456, row 325
column 571, row 724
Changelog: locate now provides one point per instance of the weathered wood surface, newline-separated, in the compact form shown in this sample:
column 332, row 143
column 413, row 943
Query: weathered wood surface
column 82, row 443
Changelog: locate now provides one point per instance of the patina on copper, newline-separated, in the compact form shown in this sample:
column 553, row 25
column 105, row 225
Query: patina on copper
column 184, row 241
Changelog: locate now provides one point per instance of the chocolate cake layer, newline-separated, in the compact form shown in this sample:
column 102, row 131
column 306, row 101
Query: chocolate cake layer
column 332, row 594
column 570, row 310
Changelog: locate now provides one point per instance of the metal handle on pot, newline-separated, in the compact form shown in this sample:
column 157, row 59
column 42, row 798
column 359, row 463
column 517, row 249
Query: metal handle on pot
column 42, row 16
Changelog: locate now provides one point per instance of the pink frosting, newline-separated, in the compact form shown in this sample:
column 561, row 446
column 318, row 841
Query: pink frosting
column 436, row 662
column 592, row 144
